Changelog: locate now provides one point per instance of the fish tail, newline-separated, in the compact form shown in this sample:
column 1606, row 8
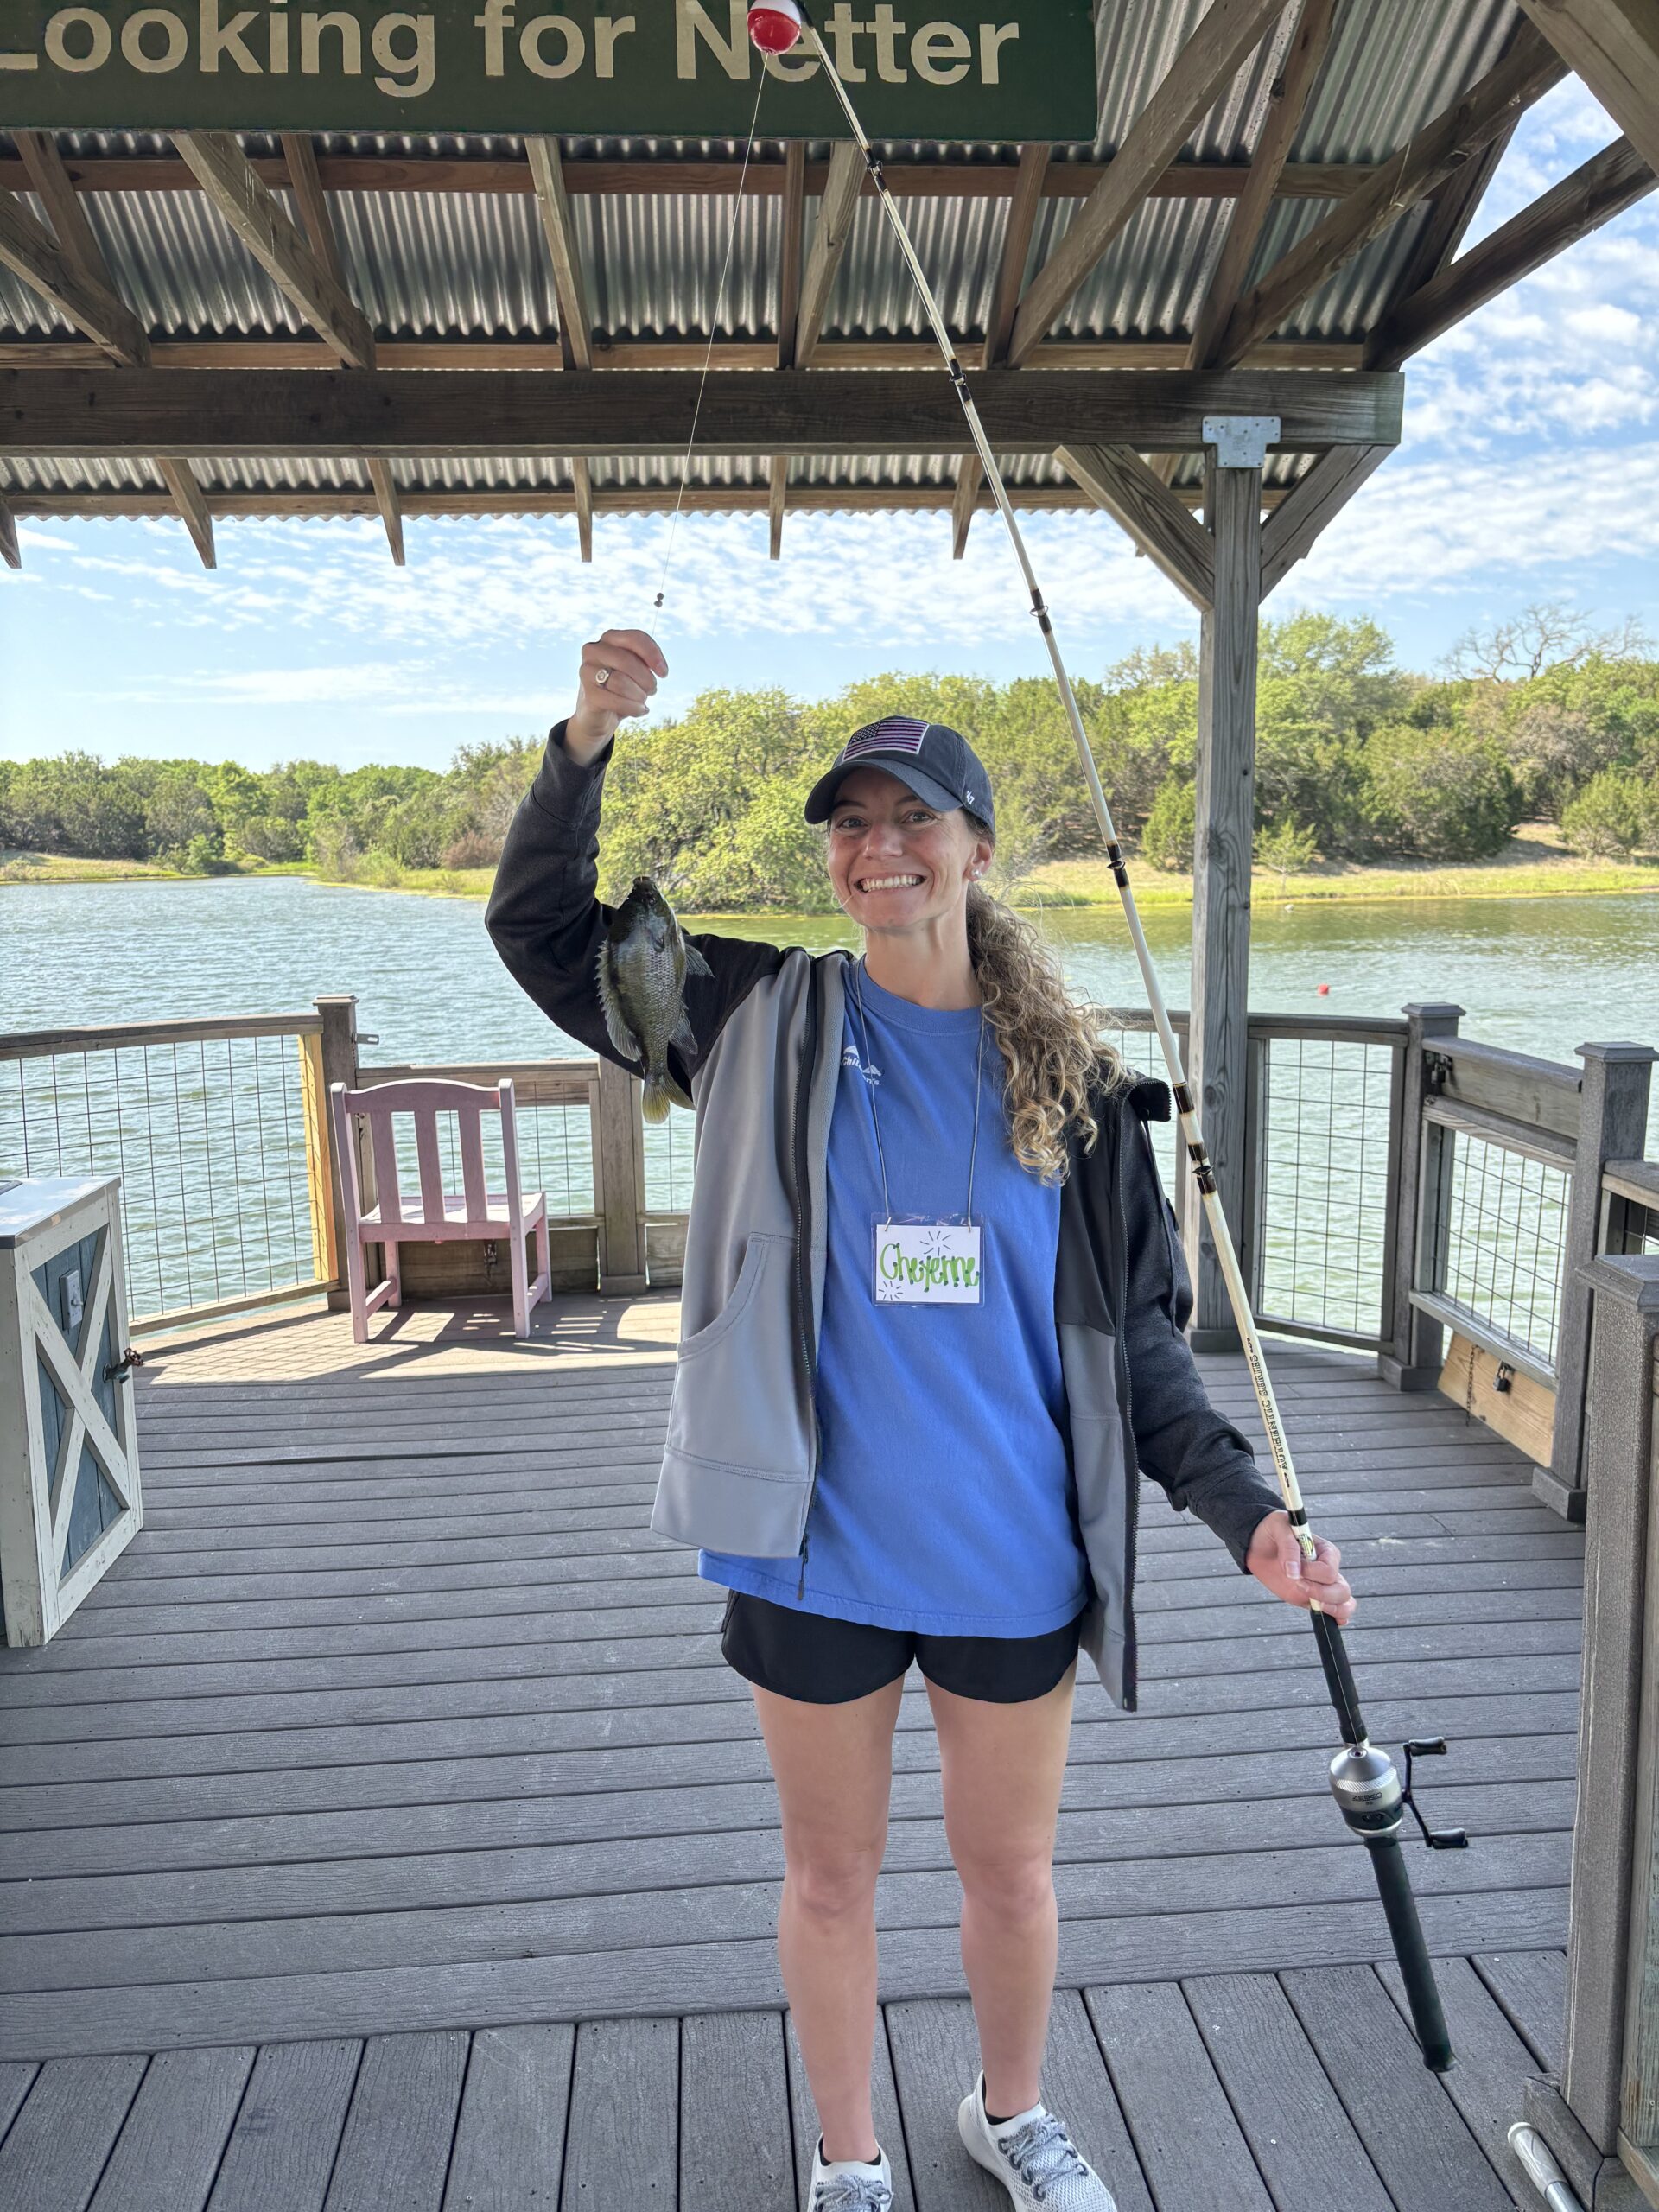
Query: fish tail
column 655, row 1104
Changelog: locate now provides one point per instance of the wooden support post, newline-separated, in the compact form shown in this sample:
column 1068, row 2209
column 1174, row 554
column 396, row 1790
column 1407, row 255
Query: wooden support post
column 1611, row 1956
column 10, row 551
column 1217, row 1047
column 337, row 1059
column 776, row 498
column 1420, row 1195
column 1612, row 1125
column 619, row 1181
column 191, row 501
column 1614, row 46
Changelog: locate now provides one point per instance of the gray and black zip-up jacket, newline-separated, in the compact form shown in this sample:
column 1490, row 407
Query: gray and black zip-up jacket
column 741, row 1458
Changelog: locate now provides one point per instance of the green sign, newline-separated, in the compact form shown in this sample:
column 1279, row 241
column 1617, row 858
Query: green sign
column 934, row 69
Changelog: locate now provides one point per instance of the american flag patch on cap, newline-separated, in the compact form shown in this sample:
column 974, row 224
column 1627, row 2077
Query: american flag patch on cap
column 895, row 734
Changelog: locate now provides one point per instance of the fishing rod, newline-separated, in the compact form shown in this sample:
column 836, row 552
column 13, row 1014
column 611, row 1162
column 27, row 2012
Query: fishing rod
column 1368, row 1789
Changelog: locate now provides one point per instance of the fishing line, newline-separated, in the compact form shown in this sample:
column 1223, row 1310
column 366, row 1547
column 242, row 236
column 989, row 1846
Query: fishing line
column 713, row 325
column 1368, row 1791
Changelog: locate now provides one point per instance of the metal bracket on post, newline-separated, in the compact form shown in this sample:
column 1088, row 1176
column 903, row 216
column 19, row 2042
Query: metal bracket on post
column 1240, row 441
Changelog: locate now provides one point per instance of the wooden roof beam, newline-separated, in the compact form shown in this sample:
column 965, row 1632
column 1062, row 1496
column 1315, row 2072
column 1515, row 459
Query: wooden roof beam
column 1608, row 182
column 308, row 413
column 1313, row 500
column 1138, row 500
column 794, row 243
column 388, row 503
column 95, row 172
column 8, row 549
column 187, row 497
column 253, row 212
column 834, row 226
column 1422, row 165
column 1288, row 100
column 1614, row 46
column 30, row 251
column 582, row 485
column 1204, row 65
column 575, row 324
column 776, row 498
column 970, row 474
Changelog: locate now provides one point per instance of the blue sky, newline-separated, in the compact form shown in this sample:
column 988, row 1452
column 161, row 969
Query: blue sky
column 1529, row 471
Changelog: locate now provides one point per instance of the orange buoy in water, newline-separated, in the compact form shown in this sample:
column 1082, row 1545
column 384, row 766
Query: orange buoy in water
column 774, row 25
column 1324, row 990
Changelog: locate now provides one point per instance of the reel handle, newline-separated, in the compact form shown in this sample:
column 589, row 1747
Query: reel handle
column 1436, row 1838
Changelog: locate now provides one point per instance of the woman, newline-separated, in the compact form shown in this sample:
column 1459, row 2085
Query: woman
column 932, row 1331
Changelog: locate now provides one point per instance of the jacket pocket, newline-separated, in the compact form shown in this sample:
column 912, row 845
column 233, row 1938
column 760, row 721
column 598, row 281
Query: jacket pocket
column 755, row 1256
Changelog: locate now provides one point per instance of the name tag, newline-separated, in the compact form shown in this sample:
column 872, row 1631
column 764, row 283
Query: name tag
column 928, row 1263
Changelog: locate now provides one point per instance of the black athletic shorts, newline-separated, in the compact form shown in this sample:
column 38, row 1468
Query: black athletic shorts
column 827, row 1662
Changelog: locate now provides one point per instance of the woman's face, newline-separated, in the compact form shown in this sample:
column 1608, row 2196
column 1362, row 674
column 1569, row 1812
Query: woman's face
column 896, row 863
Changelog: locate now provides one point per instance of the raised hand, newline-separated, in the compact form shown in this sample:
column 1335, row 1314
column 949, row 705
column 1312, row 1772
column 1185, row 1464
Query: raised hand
column 618, row 676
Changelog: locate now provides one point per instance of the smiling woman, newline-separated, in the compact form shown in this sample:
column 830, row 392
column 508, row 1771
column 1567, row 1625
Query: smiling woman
column 931, row 1330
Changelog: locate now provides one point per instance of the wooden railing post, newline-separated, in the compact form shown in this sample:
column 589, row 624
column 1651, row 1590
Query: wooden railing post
column 336, row 1062
column 1612, row 1125
column 619, row 1181
column 1413, row 1363
column 1610, row 2071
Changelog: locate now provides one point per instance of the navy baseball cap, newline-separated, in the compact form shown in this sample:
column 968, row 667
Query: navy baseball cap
column 936, row 762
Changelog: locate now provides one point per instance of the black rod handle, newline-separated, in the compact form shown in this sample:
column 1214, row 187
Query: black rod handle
column 1400, row 1908
column 1339, row 1677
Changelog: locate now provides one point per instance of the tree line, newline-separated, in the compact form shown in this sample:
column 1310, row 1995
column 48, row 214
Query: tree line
column 1356, row 760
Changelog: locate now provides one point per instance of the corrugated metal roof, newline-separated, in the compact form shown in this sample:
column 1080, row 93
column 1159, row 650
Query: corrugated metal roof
column 474, row 265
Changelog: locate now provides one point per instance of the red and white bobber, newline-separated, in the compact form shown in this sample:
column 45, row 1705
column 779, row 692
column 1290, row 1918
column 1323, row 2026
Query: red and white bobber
column 774, row 25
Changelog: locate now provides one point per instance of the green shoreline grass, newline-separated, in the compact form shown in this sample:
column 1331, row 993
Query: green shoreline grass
column 1057, row 885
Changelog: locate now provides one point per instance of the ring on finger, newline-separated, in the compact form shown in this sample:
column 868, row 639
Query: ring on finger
column 601, row 676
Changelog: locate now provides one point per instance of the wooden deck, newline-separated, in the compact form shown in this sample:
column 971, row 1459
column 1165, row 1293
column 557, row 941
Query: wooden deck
column 386, row 1830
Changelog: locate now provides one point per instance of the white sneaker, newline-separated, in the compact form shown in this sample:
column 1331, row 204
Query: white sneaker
column 846, row 2185
column 1033, row 2157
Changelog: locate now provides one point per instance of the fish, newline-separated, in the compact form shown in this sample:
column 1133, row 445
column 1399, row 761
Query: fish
column 643, row 965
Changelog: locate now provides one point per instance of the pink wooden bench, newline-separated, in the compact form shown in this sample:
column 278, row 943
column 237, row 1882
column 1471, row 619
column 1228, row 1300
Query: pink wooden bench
column 434, row 1215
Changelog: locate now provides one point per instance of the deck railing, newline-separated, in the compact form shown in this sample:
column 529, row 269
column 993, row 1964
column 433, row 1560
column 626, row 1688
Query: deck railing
column 1402, row 1183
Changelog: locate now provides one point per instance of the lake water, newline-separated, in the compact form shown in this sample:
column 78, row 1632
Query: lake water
column 208, row 1138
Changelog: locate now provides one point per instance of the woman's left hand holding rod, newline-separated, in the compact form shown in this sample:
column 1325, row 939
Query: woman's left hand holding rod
column 1274, row 1558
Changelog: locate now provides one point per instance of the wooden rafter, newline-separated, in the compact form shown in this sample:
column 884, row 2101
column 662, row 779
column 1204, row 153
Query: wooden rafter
column 835, row 227
column 722, row 499
column 10, row 552
column 1422, row 164
column 1287, row 101
column 970, row 476
column 793, row 245
column 49, row 181
column 280, row 414
column 252, row 211
column 387, row 501
column 777, row 498
column 1614, row 46
column 1608, row 182
column 1116, row 479
column 185, row 490
column 718, row 180
column 30, row 251
column 1452, row 210
column 832, row 357
column 1312, row 501
column 575, row 324
column 581, row 485
column 1203, row 67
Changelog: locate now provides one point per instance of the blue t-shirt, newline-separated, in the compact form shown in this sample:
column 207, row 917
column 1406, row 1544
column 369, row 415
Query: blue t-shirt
column 946, row 1501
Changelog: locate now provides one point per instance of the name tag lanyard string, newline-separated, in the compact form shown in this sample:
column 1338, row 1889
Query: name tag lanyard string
column 1367, row 1789
column 876, row 1119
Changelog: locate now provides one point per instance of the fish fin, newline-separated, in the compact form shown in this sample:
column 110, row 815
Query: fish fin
column 615, row 1023
column 685, row 1038
column 654, row 1104
column 694, row 962
column 680, row 1098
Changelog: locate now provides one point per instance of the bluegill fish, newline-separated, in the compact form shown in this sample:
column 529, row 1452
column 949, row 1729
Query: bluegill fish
column 643, row 965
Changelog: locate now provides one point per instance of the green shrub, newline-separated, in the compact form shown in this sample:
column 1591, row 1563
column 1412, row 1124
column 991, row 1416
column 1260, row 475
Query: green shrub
column 1166, row 841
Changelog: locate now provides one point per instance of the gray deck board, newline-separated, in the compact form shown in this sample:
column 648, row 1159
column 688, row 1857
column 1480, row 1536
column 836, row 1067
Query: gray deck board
column 386, row 1828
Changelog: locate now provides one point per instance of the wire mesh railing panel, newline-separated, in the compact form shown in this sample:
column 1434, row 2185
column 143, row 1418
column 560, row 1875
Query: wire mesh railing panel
column 556, row 1155
column 208, row 1137
column 1499, row 1240
column 1326, row 1198
column 1141, row 1050
column 669, row 1159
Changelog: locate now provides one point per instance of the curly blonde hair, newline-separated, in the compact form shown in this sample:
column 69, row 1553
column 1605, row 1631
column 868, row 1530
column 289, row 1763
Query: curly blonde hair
column 1051, row 1044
